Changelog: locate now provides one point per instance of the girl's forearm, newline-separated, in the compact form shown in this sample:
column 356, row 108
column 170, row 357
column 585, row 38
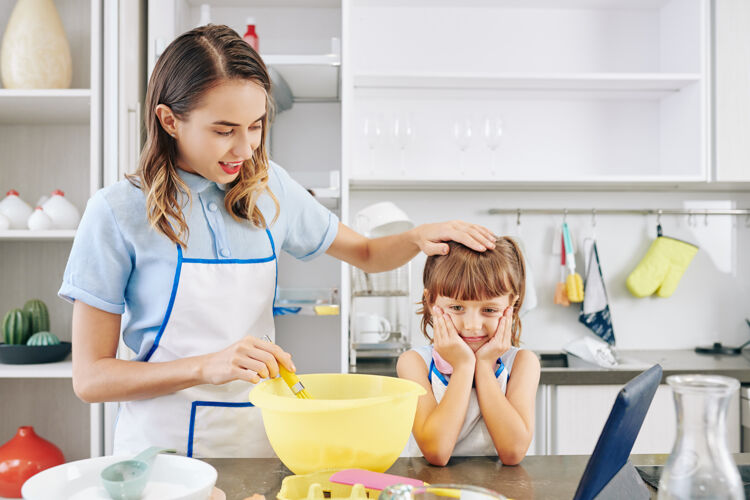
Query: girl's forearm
column 111, row 379
column 439, row 433
column 510, row 434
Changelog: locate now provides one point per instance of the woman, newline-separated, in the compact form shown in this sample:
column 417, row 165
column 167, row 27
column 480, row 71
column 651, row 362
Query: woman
column 181, row 257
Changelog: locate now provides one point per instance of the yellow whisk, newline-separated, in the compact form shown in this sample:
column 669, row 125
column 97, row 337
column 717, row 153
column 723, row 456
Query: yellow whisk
column 294, row 383
column 291, row 379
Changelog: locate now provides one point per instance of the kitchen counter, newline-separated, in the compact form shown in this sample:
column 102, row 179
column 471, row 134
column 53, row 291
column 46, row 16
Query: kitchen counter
column 549, row 477
column 583, row 373
column 672, row 361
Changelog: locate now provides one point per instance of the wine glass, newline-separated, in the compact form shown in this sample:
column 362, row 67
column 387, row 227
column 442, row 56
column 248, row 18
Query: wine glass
column 373, row 132
column 462, row 132
column 403, row 133
column 492, row 131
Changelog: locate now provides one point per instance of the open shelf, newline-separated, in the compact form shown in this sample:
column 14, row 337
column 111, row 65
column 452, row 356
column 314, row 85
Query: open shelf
column 61, row 369
column 29, row 235
column 45, row 106
column 386, row 293
column 658, row 84
column 528, row 4
column 616, row 183
column 306, row 302
column 270, row 3
column 311, row 78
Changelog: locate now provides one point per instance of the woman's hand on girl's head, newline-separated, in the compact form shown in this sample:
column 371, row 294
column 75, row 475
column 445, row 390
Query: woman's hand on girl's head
column 251, row 359
column 431, row 237
column 448, row 342
column 499, row 343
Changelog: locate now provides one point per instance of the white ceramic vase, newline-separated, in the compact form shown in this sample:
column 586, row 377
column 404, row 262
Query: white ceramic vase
column 64, row 214
column 35, row 53
column 39, row 221
column 15, row 209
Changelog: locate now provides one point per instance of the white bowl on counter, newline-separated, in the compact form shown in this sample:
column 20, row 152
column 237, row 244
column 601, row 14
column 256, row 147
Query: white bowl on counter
column 173, row 477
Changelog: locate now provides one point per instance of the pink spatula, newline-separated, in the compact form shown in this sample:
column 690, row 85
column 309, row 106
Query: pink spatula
column 372, row 480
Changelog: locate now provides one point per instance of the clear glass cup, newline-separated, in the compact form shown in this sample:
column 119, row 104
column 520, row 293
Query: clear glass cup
column 700, row 465
column 438, row 492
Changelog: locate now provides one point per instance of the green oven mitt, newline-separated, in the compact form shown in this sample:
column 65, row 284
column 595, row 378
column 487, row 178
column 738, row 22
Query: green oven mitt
column 662, row 267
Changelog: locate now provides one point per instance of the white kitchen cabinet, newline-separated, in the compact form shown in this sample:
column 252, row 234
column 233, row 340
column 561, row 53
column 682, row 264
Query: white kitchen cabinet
column 50, row 139
column 538, row 444
column 586, row 91
column 732, row 90
column 578, row 413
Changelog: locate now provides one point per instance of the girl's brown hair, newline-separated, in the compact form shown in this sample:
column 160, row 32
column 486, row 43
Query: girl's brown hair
column 192, row 64
column 465, row 274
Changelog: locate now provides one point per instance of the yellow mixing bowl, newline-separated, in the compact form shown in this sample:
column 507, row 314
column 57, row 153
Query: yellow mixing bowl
column 352, row 420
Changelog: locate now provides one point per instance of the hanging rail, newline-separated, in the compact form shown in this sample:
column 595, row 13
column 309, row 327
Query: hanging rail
column 620, row 211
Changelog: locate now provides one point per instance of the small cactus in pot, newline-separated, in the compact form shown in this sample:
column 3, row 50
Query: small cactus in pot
column 16, row 327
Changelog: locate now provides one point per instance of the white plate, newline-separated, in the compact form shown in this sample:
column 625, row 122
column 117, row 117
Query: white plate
column 173, row 477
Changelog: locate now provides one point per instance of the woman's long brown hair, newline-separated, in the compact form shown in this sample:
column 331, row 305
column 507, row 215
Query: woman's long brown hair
column 465, row 274
column 195, row 62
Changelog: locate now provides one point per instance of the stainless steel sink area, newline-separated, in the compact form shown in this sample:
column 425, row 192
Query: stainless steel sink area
column 553, row 360
column 565, row 360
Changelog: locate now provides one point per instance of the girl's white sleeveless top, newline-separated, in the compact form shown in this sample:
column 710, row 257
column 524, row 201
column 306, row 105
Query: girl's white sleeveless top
column 474, row 438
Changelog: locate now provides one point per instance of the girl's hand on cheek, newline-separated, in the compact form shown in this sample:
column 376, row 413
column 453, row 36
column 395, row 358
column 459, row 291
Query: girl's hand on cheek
column 500, row 342
column 448, row 343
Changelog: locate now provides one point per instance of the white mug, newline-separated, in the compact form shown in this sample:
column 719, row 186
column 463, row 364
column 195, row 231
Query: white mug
column 382, row 219
column 371, row 328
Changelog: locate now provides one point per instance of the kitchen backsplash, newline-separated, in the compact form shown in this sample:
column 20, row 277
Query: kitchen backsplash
column 710, row 303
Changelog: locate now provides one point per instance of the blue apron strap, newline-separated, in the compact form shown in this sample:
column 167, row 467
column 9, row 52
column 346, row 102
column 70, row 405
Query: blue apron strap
column 500, row 367
column 281, row 310
column 270, row 239
column 439, row 375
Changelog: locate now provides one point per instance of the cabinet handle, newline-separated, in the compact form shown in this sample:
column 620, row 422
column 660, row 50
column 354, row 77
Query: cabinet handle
column 134, row 136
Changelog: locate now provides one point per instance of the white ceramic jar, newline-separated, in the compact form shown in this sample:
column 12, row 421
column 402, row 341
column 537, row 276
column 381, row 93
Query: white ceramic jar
column 64, row 214
column 15, row 209
column 39, row 220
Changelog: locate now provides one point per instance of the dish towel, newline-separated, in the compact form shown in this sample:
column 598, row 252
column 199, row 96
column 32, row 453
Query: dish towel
column 595, row 307
column 530, row 300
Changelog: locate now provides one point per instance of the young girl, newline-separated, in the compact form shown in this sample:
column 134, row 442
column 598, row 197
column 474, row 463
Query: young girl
column 181, row 257
column 480, row 386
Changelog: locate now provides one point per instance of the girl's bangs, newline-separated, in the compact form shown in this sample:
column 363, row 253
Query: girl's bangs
column 462, row 279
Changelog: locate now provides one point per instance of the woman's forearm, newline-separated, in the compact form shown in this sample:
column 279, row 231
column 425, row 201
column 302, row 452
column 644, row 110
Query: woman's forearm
column 510, row 434
column 111, row 379
column 390, row 252
column 99, row 376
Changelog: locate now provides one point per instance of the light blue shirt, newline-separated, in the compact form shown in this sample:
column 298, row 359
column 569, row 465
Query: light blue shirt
column 120, row 264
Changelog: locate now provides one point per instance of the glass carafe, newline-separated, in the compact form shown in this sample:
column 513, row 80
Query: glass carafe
column 700, row 465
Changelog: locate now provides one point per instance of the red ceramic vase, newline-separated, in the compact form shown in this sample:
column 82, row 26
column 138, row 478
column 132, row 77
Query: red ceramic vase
column 22, row 457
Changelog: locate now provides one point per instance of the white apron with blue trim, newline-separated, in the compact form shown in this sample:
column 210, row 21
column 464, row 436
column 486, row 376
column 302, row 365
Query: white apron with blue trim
column 474, row 439
column 214, row 303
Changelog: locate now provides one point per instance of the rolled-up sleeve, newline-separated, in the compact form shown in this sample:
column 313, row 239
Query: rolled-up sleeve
column 100, row 262
column 310, row 227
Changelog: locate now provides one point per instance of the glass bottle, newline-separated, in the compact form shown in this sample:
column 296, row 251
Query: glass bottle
column 251, row 36
column 700, row 465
